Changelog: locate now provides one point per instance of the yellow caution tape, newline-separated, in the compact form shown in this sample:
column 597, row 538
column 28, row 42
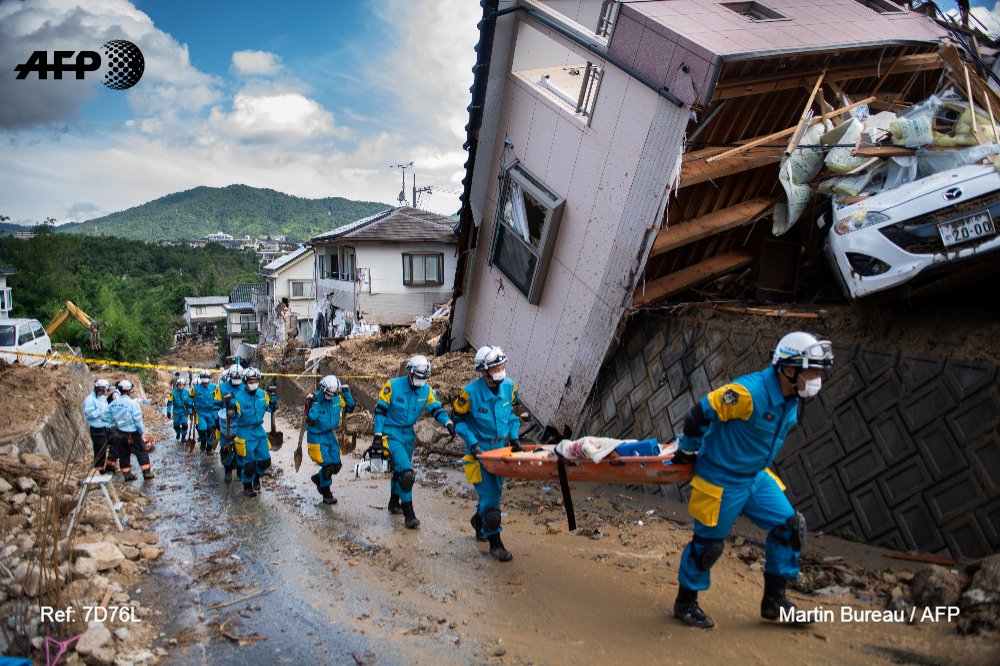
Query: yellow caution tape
column 154, row 366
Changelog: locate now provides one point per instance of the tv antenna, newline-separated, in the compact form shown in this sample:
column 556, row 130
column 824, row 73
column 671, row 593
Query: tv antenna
column 402, row 191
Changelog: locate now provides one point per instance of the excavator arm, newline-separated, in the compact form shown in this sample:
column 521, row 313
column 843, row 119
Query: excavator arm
column 69, row 309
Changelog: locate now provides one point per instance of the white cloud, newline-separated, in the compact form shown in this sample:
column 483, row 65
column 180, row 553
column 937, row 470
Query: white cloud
column 267, row 131
column 273, row 118
column 256, row 63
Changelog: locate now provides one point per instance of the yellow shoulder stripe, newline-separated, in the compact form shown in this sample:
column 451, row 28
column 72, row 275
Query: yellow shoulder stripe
column 386, row 393
column 462, row 403
column 343, row 402
column 731, row 401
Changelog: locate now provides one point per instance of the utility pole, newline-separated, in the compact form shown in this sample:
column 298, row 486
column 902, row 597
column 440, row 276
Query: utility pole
column 402, row 192
column 416, row 191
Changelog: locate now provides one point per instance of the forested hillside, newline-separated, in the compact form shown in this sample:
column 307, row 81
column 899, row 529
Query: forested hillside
column 237, row 210
column 139, row 288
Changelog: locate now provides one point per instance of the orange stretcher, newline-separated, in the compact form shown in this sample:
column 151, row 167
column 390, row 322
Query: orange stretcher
column 613, row 469
column 543, row 464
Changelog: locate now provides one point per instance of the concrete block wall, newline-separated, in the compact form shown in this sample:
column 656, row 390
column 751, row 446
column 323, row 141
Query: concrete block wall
column 899, row 449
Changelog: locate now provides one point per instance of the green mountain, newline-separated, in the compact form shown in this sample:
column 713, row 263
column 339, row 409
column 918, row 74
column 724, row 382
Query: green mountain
column 237, row 210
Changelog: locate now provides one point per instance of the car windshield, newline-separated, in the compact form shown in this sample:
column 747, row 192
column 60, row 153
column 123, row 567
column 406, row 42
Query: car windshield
column 6, row 336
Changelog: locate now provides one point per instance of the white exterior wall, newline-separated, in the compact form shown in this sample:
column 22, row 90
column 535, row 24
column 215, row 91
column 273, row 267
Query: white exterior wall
column 3, row 287
column 300, row 270
column 615, row 194
column 211, row 313
column 385, row 299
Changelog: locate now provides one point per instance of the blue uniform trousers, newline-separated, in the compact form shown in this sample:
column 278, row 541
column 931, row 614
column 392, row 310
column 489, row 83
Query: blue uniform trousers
column 762, row 501
column 401, row 440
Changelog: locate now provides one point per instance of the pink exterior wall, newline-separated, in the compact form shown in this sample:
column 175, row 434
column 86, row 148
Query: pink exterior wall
column 614, row 192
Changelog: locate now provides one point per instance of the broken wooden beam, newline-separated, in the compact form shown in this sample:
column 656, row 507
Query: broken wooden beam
column 694, row 168
column 678, row 235
column 682, row 280
column 764, row 312
column 805, row 115
column 755, row 85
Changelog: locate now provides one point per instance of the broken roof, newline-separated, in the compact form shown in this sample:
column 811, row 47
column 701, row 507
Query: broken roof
column 396, row 224
column 285, row 260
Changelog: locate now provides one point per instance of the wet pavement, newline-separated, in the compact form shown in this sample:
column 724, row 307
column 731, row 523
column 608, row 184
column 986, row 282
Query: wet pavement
column 221, row 546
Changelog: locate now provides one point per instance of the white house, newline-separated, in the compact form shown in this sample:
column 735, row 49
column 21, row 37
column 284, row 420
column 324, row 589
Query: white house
column 287, row 277
column 203, row 313
column 390, row 267
column 6, row 304
column 218, row 237
column 584, row 197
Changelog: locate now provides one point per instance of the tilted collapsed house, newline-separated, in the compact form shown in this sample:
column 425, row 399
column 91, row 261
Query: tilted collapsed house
column 591, row 133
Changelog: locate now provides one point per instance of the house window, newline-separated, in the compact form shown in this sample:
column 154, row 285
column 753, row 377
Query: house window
column 6, row 304
column 348, row 268
column 528, row 222
column 248, row 323
column 423, row 269
column 882, row 6
column 571, row 80
column 754, row 11
column 303, row 289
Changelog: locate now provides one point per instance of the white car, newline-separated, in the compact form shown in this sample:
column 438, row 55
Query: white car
column 916, row 232
column 23, row 335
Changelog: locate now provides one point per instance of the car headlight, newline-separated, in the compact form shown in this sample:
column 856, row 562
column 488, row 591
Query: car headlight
column 860, row 220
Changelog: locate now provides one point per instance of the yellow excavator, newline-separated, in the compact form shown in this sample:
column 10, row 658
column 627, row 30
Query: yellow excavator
column 69, row 309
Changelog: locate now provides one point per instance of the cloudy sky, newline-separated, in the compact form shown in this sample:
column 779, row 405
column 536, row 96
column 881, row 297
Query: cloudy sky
column 314, row 98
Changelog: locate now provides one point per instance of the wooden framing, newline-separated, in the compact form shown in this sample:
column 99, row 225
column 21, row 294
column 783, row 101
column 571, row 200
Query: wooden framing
column 684, row 279
column 690, row 231
column 766, row 83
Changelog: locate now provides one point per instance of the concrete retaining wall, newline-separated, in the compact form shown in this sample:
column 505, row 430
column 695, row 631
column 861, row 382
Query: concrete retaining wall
column 900, row 450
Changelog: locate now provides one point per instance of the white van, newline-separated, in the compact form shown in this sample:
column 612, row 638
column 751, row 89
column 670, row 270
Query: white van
column 23, row 335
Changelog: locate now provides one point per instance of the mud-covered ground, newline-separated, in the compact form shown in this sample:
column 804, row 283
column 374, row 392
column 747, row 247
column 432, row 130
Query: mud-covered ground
column 347, row 584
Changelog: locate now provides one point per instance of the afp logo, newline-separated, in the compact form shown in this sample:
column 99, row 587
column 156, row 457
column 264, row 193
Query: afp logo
column 123, row 64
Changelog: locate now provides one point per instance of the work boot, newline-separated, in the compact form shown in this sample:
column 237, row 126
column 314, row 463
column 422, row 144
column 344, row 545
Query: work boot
column 256, row 483
column 248, row 490
column 129, row 476
column 315, row 479
column 477, row 524
column 687, row 610
column 497, row 550
column 394, row 507
column 412, row 522
column 328, row 497
column 775, row 604
column 149, row 475
column 228, row 476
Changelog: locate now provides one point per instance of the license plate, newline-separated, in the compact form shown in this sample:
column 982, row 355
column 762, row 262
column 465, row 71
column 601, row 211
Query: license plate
column 967, row 228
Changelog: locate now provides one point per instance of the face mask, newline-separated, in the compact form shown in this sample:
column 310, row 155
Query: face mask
column 235, row 381
column 252, row 386
column 499, row 376
column 417, row 381
column 812, row 388
column 204, row 381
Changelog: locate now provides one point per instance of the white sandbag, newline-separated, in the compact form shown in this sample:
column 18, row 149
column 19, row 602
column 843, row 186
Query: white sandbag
column 807, row 158
column 840, row 159
column 788, row 212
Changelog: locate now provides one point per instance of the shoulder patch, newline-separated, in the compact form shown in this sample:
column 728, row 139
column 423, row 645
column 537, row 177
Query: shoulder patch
column 462, row 403
column 732, row 401
column 730, row 397
column 386, row 393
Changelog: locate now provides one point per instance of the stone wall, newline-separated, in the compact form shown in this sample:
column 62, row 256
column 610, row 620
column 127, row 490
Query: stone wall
column 899, row 449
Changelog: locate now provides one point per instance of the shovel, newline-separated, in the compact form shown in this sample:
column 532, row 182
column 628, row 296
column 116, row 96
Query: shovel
column 192, row 429
column 275, row 437
column 297, row 457
column 227, row 447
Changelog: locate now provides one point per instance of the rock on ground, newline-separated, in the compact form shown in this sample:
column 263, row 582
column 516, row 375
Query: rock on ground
column 936, row 586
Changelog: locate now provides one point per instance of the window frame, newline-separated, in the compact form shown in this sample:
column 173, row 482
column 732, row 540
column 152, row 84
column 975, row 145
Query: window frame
column 293, row 283
column 408, row 269
column 554, row 204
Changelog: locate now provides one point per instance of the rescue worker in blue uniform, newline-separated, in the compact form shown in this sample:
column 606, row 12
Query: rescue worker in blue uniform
column 206, row 407
column 400, row 403
column 329, row 404
column 230, row 382
column 178, row 405
column 98, row 415
column 246, row 412
column 129, row 425
column 732, row 435
column 486, row 417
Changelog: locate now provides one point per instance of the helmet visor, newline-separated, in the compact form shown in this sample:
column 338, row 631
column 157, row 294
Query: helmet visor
column 818, row 355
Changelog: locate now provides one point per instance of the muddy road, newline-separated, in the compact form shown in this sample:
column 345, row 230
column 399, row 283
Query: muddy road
column 347, row 584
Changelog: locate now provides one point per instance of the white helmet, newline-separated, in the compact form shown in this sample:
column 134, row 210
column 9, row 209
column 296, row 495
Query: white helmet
column 205, row 374
column 488, row 357
column 181, row 381
column 330, row 385
column 102, row 385
column 125, row 386
column 419, row 367
column 235, row 375
column 251, row 375
column 803, row 350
